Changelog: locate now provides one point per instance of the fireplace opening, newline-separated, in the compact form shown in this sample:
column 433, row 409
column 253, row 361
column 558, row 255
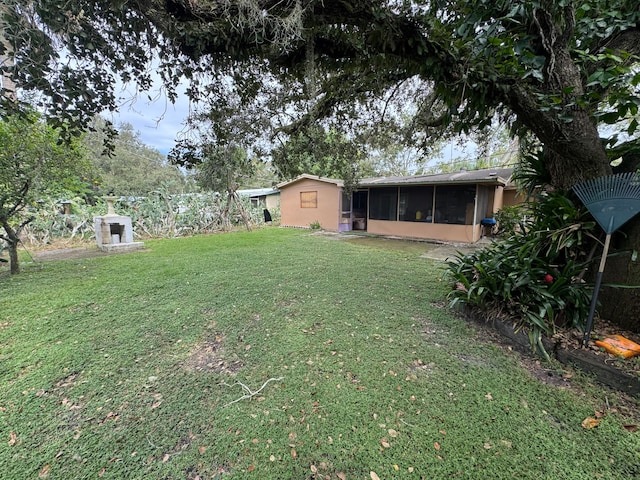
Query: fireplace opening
column 116, row 231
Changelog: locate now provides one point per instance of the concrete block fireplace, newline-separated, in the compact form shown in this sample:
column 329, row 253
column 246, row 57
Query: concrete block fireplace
column 113, row 231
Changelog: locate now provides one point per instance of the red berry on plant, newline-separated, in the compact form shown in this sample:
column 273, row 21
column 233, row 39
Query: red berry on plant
column 548, row 278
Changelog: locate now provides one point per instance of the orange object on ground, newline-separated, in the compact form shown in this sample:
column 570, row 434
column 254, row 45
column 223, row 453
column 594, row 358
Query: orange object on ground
column 619, row 345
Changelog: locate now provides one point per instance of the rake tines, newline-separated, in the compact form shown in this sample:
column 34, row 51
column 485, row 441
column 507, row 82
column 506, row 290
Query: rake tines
column 612, row 200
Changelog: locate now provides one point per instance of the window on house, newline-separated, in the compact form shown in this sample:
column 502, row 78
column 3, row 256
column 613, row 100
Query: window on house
column 455, row 204
column 383, row 204
column 309, row 199
column 416, row 204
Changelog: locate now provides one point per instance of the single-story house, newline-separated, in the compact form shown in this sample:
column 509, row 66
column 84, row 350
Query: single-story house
column 446, row 207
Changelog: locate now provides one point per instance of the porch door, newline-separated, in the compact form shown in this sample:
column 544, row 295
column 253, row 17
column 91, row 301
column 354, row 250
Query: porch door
column 359, row 209
column 345, row 222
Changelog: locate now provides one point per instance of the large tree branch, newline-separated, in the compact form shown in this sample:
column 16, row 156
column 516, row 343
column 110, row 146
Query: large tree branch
column 625, row 41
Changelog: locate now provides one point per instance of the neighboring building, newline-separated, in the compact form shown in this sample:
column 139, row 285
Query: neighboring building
column 268, row 198
column 444, row 207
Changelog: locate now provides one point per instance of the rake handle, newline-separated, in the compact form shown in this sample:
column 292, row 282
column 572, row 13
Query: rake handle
column 596, row 289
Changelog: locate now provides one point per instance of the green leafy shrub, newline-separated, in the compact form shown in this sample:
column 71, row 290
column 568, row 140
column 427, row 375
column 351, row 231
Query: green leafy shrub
column 535, row 275
column 157, row 215
column 510, row 219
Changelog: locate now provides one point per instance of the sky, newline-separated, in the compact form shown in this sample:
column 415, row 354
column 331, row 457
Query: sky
column 157, row 120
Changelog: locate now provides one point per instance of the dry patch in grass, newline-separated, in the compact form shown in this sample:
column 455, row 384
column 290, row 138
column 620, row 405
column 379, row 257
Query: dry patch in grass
column 209, row 356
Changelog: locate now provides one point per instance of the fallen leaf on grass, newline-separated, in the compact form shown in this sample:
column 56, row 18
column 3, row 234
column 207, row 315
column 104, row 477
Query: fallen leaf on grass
column 392, row 433
column 342, row 476
column 44, row 473
column 166, row 458
column 13, row 438
column 294, row 454
column 630, row 428
column 384, row 442
column 314, row 469
column 202, row 449
column 374, row 475
column 436, row 445
column 590, row 422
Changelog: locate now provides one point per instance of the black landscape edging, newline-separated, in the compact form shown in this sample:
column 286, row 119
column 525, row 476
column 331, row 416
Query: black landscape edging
column 582, row 359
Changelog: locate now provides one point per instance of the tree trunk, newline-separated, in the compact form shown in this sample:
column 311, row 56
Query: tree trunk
column 12, row 240
column 13, row 258
column 246, row 219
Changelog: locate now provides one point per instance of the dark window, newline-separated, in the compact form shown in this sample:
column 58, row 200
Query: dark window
column 416, row 204
column 383, row 204
column 454, row 204
column 359, row 202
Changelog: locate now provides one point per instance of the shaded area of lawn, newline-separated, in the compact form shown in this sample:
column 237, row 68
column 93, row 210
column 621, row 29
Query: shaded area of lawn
column 126, row 367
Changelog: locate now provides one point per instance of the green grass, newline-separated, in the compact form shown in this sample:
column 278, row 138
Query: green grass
column 124, row 367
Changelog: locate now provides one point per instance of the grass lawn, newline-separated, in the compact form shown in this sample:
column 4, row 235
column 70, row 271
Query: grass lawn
column 132, row 367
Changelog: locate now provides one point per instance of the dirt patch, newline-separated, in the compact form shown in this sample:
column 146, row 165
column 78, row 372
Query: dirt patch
column 209, row 356
column 76, row 253
column 423, row 248
column 68, row 253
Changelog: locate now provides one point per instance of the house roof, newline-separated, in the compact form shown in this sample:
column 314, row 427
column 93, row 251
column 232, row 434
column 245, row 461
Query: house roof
column 489, row 176
column 306, row 176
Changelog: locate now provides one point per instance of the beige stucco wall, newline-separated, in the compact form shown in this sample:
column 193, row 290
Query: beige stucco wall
column 431, row 231
column 272, row 201
column 512, row 197
column 327, row 212
column 498, row 200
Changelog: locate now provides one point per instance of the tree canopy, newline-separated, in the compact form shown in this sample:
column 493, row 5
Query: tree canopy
column 558, row 69
column 318, row 152
column 131, row 168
